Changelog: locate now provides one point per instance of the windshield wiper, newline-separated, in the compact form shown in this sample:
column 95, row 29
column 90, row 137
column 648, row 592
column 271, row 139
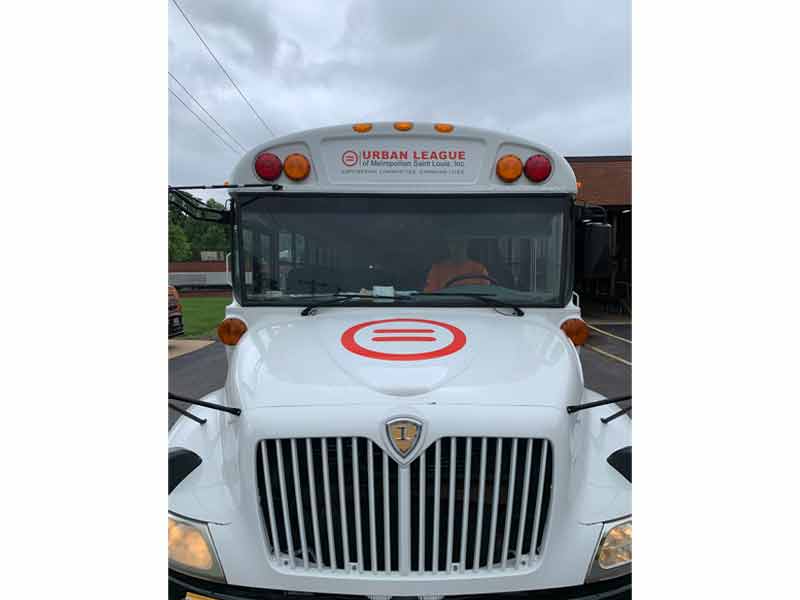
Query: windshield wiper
column 338, row 299
column 576, row 407
column 341, row 298
column 228, row 409
column 485, row 298
column 186, row 413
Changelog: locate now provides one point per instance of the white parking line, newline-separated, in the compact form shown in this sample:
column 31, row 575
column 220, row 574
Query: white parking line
column 609, row 355
column 611, row 335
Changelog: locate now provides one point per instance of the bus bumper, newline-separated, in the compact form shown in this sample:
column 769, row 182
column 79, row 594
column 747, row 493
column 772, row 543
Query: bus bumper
column 180, row 584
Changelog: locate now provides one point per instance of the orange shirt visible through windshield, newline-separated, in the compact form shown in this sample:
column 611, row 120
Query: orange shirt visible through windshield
column 442, row 272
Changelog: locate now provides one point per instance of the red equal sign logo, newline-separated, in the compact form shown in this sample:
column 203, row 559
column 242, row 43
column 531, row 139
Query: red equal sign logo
column 441, row 339
column 404, row 338
column 349, row 158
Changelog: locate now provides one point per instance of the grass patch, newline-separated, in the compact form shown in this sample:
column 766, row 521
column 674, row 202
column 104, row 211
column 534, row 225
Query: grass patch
column 202, row 314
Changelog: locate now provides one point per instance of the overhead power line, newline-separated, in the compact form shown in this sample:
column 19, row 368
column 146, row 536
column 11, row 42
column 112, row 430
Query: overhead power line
column 210, row 116
column 222, row 139
column 219, row 64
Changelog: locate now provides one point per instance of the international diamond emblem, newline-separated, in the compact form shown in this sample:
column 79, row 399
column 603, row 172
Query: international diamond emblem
column 404, row 433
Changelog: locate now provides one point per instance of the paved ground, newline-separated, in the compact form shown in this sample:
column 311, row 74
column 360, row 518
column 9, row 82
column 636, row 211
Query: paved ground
column 195, row 374
column 604, row 358
column 179, row 347
column 202, row 371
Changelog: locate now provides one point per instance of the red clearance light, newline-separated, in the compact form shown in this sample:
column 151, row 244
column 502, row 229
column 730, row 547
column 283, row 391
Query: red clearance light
column 538, row 168
column 268, row 166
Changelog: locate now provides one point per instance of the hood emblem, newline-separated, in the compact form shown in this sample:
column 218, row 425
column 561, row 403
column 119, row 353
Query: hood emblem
column 404, row 433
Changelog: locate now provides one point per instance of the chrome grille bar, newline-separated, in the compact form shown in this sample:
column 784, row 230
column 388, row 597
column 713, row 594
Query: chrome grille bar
column 482, row 490
column 387, row 530
column 451, row 504
column 328, row 512
column 312, row 486
column 510, row 508
column 498, row 463
column 421, row 561
column 298, row 496
column 270, row 502
column 284, row 502
column 539, row 494
column 525, row 488
column 373, row 535
column 342, row 504
column 462, row 560
column 357, row 505
column 436, row 503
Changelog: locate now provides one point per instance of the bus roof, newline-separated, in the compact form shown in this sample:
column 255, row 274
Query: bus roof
column 422, row 159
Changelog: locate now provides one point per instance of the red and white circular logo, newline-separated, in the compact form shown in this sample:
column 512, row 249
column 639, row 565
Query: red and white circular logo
column 404, row 339
column 349, row 158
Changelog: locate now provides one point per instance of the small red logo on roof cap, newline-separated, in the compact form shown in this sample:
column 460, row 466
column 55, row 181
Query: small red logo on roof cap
column 349, row 158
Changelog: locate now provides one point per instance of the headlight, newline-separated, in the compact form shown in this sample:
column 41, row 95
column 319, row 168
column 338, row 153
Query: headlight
column 614, row 553
column 191, row 550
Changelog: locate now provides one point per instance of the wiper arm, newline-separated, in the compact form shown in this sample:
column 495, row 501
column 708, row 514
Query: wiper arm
column 617, row 414
column 220, row 407
column 485, row 298
column 338, row 299
column 576, row 407
column 186, row 413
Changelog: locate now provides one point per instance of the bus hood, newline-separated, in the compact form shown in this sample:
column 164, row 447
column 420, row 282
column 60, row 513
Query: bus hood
column 351, row 356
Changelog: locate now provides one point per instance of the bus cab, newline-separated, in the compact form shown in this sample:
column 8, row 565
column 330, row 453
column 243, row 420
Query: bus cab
column 403, row 409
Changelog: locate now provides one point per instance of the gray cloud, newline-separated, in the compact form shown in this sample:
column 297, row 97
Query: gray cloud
column 556, row 72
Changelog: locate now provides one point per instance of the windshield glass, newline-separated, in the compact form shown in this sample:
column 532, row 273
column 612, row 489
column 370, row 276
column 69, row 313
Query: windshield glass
column 295, row 249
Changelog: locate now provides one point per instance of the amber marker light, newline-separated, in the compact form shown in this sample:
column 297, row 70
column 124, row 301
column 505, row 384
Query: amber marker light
column 404, row 125
column 576, row 330
column 443, row 127
column 296, row 167
column 509, row 168
column 362, row 127
column 231, row 330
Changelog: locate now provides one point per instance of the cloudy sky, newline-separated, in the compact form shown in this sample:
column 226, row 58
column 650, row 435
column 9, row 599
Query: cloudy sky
column 557, row 71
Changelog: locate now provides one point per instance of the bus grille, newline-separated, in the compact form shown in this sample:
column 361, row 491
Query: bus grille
column 471, row 505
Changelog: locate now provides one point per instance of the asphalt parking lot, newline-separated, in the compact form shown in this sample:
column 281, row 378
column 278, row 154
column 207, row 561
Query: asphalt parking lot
column 604, row 365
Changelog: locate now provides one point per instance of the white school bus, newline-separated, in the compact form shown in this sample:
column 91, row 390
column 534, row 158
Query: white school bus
column 403, row 409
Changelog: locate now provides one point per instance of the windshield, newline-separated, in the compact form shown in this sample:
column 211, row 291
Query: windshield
column 295, row 249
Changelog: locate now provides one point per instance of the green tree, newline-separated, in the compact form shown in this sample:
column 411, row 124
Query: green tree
column 179, row 247
column 188, row 237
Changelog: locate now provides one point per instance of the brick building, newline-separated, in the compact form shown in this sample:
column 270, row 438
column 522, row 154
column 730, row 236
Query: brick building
column 606, row 181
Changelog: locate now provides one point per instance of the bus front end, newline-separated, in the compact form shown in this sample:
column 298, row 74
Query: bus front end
column 399, row 346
